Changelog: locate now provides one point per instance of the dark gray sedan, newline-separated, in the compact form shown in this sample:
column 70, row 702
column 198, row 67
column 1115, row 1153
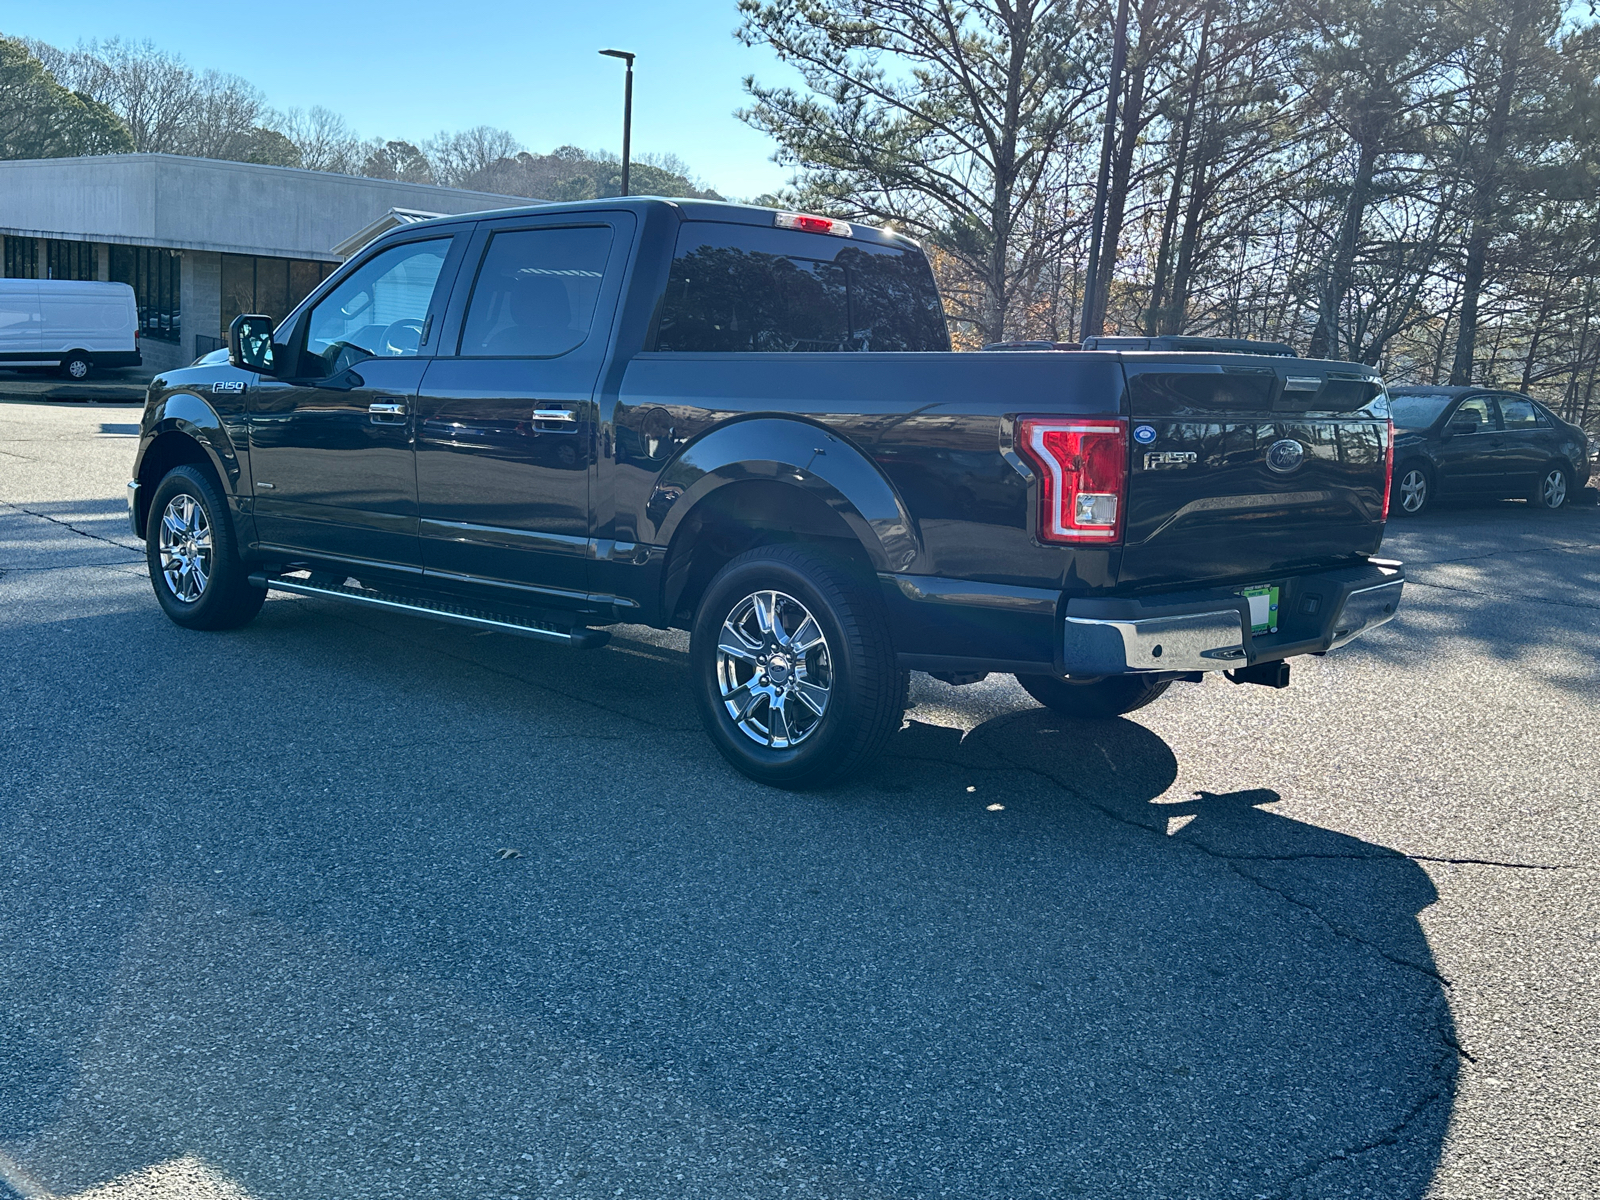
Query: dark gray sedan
column 1464, row 441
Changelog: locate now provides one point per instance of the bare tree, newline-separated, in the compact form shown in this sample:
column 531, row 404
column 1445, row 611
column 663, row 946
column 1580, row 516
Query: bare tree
column 457, row 157
column 325, row 140
column 949, row 119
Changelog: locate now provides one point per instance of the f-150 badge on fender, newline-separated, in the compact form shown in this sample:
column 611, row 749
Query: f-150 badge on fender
column 1169, row 458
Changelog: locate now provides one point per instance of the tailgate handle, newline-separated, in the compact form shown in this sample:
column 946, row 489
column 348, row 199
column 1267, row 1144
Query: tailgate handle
column 1302, row 383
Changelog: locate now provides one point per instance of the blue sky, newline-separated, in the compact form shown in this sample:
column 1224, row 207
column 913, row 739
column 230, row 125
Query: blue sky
column 404, row 69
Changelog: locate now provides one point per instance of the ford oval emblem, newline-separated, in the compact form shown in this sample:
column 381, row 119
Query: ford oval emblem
column 1285, row 455
column 1144, row 434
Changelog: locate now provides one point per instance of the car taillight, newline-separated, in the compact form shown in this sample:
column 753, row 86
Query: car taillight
column 1083, row 475
column 1388, row 468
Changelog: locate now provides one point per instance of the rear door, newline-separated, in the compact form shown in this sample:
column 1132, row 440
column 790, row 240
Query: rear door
column 507, row 425
column 1243, row 470
column 1527, row 443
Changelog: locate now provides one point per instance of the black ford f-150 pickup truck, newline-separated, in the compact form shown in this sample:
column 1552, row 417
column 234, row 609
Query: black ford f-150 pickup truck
column 749, row 424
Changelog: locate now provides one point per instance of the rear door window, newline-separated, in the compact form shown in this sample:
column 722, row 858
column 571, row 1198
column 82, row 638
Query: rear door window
column 743, row 288
column 1518, row 413
column 535, row 293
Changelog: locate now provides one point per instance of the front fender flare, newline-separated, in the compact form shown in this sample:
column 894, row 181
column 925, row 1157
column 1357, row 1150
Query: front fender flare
column 187, row 414
column 794, row 452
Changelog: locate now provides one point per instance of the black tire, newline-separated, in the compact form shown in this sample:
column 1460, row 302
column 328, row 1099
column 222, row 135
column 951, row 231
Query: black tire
column 76, row 366
column 1413, row 490
column 1095, row 699
column 221, row 595
column 865, row 689
column 1553, row 489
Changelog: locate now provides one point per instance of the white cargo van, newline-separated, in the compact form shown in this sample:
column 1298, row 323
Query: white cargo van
column 68, row 324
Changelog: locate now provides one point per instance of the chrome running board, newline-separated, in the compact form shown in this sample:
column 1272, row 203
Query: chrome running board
column 544, row 630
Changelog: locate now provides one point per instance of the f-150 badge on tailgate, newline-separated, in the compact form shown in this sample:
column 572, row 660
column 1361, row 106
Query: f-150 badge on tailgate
column 1169, row 458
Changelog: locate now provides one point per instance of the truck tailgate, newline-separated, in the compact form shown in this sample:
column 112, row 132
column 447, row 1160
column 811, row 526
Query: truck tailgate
column 1244, row 471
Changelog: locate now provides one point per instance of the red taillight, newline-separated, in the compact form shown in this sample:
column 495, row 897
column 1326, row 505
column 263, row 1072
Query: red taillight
column 1388, row 468
column 1083, row 476
column 812, row 224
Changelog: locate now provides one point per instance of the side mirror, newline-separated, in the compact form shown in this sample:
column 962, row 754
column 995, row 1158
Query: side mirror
column 250, row 343
column 1462, row 425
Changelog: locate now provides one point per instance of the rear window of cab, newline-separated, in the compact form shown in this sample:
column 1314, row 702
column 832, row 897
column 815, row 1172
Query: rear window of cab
column 742, row 288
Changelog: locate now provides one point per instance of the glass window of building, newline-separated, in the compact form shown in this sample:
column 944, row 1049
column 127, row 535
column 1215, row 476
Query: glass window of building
column 153, row 275
column 273, row 286
column 22, row 257
column 70, row 260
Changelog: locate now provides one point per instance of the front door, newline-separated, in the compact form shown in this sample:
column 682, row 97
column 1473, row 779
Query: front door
column 1469, row 456
column 506, row 425
column 331, row 451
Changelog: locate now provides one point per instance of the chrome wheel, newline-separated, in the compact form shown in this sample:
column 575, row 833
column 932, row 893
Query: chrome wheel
column 1413, row 490
column 774, row 670
column 185, row 544
column 1553, row 490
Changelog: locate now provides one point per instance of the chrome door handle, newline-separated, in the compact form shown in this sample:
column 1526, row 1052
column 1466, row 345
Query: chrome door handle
column 387, row 413
column 554, row 414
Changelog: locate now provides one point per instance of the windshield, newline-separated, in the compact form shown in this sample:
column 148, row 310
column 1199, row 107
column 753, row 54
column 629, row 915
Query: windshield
column 1416, row 412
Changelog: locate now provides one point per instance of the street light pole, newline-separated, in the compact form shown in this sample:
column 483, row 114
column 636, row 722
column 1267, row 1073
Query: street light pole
column 627, row 111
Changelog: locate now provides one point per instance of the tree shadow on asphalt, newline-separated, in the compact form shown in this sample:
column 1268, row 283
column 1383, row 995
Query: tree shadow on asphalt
column 1502, row 580
column 1004, row 964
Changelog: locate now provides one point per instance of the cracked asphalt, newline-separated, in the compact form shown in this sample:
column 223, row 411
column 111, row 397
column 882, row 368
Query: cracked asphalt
column 260, row 938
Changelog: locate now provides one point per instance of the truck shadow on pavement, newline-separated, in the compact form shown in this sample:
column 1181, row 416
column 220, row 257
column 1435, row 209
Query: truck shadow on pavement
column 1004, row 964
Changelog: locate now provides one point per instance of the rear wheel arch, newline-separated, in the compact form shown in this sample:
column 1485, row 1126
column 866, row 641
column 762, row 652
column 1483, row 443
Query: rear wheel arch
column 793, row 452
column 745, row 515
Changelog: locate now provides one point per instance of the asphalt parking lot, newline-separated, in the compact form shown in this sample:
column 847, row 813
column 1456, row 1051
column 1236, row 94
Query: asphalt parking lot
column 349, row 905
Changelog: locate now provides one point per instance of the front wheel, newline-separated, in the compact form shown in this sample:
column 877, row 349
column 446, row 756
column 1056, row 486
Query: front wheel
column 1552, row 489
column 794, row 671
column 199, row 579
column 1096, row 699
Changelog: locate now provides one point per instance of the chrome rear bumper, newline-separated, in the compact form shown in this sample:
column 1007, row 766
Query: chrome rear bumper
column 1324, row 612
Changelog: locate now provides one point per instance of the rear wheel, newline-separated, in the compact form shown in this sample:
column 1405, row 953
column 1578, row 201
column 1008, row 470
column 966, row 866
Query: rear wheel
column 794, row 671
column 76, row 366
column 1110, row 696
column 195, row 568
column 1413, row 490
column 1553, row 488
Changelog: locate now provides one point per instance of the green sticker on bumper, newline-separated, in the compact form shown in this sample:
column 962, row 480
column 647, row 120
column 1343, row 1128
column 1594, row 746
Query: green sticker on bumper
column 1263, row 608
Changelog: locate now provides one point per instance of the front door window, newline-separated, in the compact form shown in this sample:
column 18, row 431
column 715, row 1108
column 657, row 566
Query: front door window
column 380, row 310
